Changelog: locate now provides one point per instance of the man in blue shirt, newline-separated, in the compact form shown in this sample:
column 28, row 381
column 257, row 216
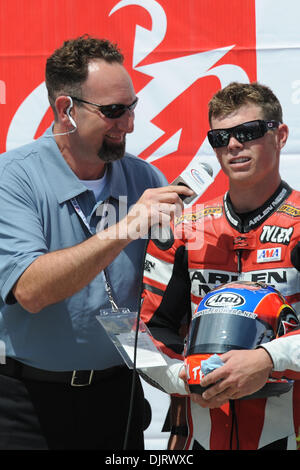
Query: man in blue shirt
column 60, row 264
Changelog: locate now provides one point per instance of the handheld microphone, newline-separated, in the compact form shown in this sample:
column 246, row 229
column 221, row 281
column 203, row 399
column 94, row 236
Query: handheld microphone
column 198, row 177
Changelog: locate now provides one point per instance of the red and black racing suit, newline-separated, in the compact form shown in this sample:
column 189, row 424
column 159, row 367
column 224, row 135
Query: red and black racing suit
column 210, row 244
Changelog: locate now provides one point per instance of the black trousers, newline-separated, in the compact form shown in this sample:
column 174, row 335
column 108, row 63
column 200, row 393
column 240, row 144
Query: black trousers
column 38, row 415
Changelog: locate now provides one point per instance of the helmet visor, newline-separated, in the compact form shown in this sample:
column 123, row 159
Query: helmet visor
column 214, row 331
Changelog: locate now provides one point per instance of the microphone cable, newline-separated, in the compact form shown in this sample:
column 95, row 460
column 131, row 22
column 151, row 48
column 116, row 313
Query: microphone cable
column 134, row 370
column 209, row 170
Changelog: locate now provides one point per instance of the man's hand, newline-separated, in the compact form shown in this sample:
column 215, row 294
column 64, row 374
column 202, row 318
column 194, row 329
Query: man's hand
column 243, row 373
column 56, row 275
column 155, row 206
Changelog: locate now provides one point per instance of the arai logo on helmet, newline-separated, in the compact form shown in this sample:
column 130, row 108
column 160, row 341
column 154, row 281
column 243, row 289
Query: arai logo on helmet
column 225, row 299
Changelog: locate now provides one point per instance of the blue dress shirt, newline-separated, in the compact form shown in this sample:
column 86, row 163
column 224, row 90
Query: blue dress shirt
column 37, row 216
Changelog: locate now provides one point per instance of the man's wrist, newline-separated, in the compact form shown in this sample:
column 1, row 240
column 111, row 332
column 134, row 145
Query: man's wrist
column 267, row 357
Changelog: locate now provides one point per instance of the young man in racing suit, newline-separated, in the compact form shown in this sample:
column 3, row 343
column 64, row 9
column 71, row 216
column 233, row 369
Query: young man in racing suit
column 252, row 233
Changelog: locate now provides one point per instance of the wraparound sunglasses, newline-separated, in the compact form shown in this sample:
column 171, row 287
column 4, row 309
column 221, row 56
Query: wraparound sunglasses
column 111, row 111
column 245, row 132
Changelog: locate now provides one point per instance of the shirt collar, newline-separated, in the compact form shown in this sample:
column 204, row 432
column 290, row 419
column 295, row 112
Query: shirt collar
column 117, row 185
column 65, row 182
column 254, row 219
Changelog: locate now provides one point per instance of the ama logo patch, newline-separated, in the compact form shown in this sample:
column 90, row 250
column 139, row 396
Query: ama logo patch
column 268, row 255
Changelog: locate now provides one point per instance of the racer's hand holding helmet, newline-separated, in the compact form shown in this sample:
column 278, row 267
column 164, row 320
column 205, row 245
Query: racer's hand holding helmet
column 237, row 315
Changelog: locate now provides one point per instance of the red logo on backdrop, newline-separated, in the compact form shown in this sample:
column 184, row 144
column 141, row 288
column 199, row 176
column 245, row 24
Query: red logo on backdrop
column 178, row 54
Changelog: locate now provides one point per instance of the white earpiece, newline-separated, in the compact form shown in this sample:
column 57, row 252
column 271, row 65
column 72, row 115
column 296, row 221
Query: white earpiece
column 68, row 112
column 71, row 121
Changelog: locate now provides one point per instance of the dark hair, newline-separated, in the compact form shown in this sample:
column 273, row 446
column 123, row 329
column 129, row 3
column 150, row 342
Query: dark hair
column 67, row 67
column 235, row 95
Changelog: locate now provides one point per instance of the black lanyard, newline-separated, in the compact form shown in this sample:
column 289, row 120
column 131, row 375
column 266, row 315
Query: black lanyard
column 80, row 213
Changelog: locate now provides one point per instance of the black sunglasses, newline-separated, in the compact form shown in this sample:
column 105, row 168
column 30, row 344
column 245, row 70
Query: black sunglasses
column 111, row 111
column 243, row 133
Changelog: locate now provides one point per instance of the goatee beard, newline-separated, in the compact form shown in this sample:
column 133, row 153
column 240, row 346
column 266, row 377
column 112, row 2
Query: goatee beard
column 111, row 152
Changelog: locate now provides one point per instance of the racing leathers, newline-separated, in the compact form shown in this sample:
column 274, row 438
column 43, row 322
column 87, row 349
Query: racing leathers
column 210, row 244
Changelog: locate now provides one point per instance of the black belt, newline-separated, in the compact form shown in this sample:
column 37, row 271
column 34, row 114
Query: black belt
column 75, row 378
